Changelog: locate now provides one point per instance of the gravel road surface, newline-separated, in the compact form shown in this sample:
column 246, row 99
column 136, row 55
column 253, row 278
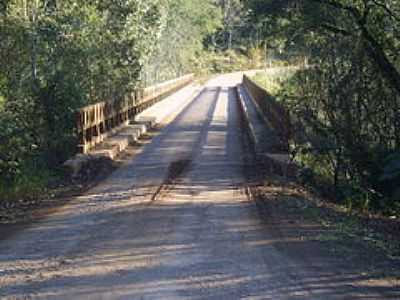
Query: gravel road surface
column 173, row 223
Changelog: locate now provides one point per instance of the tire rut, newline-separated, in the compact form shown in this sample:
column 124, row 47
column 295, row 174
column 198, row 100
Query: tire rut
column 175, row 170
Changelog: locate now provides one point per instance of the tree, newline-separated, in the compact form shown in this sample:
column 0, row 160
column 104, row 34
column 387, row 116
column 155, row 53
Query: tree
column 180, row 48
column 346, row 105
column 234, row 23
column 57, row 56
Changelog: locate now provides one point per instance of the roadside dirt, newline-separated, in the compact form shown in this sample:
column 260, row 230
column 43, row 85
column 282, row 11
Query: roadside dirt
column 15, row 215
column 293, row 214
column 220, row 227
column 317, row 234
column 344, row 254
column 369, row 244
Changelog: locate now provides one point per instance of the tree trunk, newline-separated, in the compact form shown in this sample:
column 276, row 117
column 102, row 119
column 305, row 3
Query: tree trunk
column 377, row 53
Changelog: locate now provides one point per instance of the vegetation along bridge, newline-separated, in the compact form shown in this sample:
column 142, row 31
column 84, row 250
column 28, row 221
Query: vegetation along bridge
column 139, row 160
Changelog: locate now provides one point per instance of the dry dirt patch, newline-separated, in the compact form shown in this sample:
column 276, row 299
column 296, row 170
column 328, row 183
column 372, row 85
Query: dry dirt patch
column 316, row 231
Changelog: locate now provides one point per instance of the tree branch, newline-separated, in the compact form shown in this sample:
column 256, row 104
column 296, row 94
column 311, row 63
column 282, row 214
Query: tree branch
column 335, row 29
column 387, row 10
column 373, row 47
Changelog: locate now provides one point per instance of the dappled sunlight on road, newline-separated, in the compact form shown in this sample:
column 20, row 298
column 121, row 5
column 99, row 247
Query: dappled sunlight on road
column 220, row 250
column 201, row 238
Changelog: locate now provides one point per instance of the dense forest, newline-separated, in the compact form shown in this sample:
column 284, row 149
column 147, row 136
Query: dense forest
column 345, row 104
column 57, row 56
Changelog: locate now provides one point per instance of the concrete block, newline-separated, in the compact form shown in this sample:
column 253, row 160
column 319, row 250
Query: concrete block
column 138, row 129
column 118, row 140
column 147, row 121
column 75, row 164
column 106, row 151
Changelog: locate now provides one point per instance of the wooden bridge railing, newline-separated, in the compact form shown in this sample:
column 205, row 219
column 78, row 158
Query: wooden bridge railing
column 274, row 113
column 95, row 122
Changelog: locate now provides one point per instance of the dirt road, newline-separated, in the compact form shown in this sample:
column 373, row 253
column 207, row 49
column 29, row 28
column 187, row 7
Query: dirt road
column 173, row 223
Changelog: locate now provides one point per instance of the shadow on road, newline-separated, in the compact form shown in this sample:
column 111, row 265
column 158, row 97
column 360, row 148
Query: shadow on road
column 203, row 239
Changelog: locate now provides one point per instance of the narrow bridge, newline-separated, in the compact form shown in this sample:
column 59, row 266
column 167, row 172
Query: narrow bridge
column 178, row 220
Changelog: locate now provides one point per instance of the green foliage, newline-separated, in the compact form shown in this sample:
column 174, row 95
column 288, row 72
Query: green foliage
column 57, row 56
column 391, row 169
column 338, row 136
column 29, row 183
column 180, row 49
column 345, row 104
column 390, row 178
column 234, row 25
column 273, row 79
column 225, row 61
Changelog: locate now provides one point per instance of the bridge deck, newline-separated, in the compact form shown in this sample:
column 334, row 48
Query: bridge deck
column 173, row 223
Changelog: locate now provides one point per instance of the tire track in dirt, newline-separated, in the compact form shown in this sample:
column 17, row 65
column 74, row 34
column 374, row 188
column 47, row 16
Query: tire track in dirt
column 178, row 168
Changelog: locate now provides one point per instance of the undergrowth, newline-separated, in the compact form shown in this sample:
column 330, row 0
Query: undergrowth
column 29, row 184
column 339, row 160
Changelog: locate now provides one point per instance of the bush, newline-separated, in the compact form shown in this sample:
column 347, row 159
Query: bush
column 56, row 58
column 340, row 139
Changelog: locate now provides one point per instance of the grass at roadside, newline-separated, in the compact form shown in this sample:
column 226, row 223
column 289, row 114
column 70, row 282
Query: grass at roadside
column 30, row 190
column 272, row 80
